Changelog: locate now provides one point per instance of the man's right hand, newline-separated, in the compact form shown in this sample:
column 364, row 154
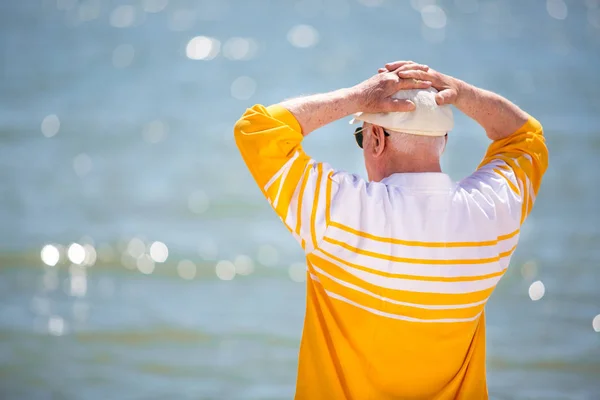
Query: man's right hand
column 497, row 115
column 447, row 86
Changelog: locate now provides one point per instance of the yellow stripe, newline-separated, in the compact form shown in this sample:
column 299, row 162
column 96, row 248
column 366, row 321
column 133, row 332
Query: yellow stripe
column 399, row 295
column 299, row 214
column 315, row 205
column 288, row 186
column 422, row 244
column 328, row 199
column 379, row 302
column 418, row 260
column 414, row 277
column 522, row 179
column 510, row 184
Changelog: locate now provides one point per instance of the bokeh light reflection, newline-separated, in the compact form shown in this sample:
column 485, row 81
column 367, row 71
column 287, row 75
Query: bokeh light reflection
column 243, row 265
column 56, row 326
column 239, row 48
column 159, row 252
column 136, row 247
column 76, row 253
column 198, row 202
column 596, row 323
column 186, row 269
column 537, row 290
column 145, row 264
column 303, row 36
column 154, row 6
column 225, row 270
column 202, row 48
column 557, row 9
column 50, row 125
column 267, row 255
column 433, row 17
column 155, row 131
column 77, row 281
column 82, row 164
column 123, row 16
column 50, row 255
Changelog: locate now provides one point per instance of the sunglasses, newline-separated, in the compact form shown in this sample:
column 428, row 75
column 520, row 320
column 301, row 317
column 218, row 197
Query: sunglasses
column 358, row 135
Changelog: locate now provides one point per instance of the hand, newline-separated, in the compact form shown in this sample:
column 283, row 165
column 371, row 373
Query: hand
column 375, row 94
column 447, row 86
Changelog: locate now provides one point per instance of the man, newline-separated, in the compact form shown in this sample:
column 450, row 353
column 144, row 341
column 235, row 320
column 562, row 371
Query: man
column 400, row 266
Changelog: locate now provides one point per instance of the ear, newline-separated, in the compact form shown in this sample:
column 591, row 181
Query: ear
column 445, row 143
column 378, row 138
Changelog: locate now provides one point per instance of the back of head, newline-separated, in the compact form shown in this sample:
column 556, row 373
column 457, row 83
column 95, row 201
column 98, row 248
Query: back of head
column 427, row 146
column 416, row 139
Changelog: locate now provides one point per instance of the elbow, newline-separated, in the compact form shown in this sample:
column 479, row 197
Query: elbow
column 238, row 128
column 536, row 126
column 242, row 127
column 248, row 122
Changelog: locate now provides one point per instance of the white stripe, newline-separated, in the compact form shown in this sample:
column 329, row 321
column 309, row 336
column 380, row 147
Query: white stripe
column 283, row 169
column 283, row 178
column 400, row 303
column 401, row 268
column 292, row 215
column 314, row 277
column 307, row 204
column 510, row 174
column 396, row 316
column 420, row 252
column 413, row 285
column 531, row 193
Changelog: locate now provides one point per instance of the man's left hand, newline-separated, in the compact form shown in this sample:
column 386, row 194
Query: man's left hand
column 375, row 94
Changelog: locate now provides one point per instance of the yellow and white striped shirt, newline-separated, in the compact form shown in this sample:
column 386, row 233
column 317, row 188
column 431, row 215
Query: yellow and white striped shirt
column 400, row 270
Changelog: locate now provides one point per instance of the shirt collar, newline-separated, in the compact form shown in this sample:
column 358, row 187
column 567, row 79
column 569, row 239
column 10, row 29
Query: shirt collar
column 420, row 180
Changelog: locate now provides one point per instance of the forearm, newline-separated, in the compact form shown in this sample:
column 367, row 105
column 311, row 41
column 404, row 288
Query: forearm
column 497, row 115
column 315, row 111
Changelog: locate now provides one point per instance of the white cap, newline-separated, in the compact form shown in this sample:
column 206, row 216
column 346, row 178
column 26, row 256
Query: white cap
column 428, row 119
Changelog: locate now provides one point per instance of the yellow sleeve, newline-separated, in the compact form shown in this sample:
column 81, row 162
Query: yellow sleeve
column 297, row 187
column 521, row 160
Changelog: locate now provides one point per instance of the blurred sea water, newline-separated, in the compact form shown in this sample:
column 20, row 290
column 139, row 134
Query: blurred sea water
column 116, row 134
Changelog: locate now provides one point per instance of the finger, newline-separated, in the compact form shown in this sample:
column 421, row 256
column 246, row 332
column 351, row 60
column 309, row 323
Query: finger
column 405, row 65
column 399, row 105
column 406, row 84
column 397, row 64
column 415, row 74
column 409, row 67
column 382, row 70
column 446, row 96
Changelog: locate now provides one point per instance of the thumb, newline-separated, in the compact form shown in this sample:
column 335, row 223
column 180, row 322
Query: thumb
column 399, row 105
column 446, row 96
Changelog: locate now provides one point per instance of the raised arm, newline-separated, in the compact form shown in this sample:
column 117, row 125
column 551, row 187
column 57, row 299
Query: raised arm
column 269, row 139
column 516, row 160
column 497, row 115
column 372, row 95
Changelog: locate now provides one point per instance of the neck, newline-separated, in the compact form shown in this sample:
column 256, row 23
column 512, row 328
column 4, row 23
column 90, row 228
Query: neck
column 406, row 163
